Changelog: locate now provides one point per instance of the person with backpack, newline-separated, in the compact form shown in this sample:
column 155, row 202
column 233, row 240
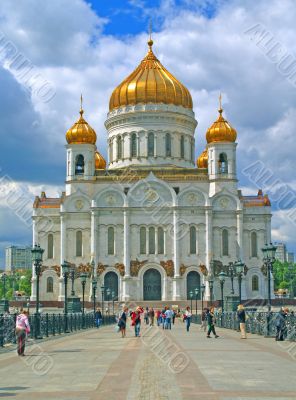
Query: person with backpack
column 122, row 322
column 211, row 319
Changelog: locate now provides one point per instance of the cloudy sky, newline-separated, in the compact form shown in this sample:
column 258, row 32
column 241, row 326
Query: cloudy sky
column 51, row 51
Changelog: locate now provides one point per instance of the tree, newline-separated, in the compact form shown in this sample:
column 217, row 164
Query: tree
column 284, row 276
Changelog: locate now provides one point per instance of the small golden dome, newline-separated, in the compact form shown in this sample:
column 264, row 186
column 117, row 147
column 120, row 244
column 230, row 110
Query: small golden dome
column 221, row 130
column 100, row 162
column 202, row 161
column 150, row 83
column 81, row 132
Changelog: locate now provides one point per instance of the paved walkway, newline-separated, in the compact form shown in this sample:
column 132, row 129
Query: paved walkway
column 161, row 365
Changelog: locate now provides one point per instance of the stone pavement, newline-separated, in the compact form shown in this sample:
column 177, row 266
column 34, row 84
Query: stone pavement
column 161, row 365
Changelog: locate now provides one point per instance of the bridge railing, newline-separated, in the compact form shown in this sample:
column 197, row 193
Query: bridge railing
column 46, row 325
column 260, row 323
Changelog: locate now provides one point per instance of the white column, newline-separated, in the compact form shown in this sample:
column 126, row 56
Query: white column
column 63, row 252
column 240, row 240
column 126, row 256
column 35, row 240
column 209, row 247
column 177, row 278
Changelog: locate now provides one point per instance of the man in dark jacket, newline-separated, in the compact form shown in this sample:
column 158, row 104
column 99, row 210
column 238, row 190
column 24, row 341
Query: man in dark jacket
column 280, row 323
column 211, row 323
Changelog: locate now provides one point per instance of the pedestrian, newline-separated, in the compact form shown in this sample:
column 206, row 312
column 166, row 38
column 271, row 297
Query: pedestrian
column 151, row 316
column 211, row 323
column 203, row 325
column 280, row 323
column 174, row 317
column 187, row 318
column 241, row 317
column 146, row 316
column 168, row 318
column 157, row 315
column 22, row 328
column 136, row 320
column 163, row 317
column 98, row 317
column 122, row 322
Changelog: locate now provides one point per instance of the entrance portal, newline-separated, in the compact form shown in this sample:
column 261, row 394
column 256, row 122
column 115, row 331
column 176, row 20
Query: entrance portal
column 152, row 285
column 193, row 282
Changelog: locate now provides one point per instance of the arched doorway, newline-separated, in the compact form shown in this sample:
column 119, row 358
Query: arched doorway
column 152, row 285
column 193, row 282
column 111, row 282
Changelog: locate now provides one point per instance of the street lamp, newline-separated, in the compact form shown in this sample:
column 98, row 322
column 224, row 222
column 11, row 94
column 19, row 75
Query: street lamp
column 113, row 298
column 191, row 295
column 239, row 269
column 108, row 291
column 231, row 273
column 37, row 253
column 72, row 277
column 196, row 291
column 83, row 277
column 269, row 258
column 203, row 288
column 103, row 295
column 65, row 272
column 94, row 288
column 211, row 286
column 222, row 277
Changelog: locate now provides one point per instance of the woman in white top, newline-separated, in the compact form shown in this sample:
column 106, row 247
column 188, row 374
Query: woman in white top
column 187, row 317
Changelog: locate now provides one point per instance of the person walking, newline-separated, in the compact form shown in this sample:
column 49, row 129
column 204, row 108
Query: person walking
column 211, row 323
column 163, row 317
column 136, row 320
column 122, row 322
column 168, row 319
column 157, row 315
column 146, row 316
column 174, row 317
column 187, row 318
column 203, row 325
column 241, row 317
column 280, row 324
column 22, row 328
column 151, row 316
column 98, row 317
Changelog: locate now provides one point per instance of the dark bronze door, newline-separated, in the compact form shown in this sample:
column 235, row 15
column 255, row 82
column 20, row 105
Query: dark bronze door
column 152, row 285
column 193, row 282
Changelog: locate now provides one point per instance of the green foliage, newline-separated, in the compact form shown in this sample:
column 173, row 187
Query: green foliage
column 19, row 281
column 284, row 275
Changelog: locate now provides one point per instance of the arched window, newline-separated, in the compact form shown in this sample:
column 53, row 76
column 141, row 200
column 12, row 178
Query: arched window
column 192, row 240
column 119, row 147
column 79, row 165
column 255, row 283
column 254, row 248
column 225, row 250
column 50, row 246
column 168, row 145
column 78, row 244
column 151, row 240
column 111, row 240
column 134, row 145
column 111, row 151
column 223, row 164
column 182, row 147
column 49, row 285
column 150, row 144
column 142, row 240
column 160, row 239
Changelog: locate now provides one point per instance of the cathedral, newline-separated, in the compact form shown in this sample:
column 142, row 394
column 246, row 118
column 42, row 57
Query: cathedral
column 151, row 223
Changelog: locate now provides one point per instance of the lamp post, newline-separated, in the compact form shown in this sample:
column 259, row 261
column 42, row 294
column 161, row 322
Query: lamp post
column 269, row 258
column 108, row 291
column 231, row 273
column 196, row 291
column 83, row 277
column 65, row 272
column 222, row 277
column 113, row 298
column 211, row 286
column 191, row 296
column 239, row 269
column 94, row 288
column 103, row 295
column 203, row 288
column 72, row 277
column 37, row 253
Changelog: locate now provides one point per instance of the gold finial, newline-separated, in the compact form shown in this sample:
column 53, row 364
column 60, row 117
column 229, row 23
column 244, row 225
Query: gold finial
column 150, row 41
column 81, row 109
column 220, row 104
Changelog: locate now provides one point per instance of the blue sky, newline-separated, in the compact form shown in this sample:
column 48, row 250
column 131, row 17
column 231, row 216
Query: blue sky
column 90, row 47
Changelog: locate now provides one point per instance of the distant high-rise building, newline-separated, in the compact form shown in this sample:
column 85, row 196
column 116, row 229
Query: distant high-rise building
column 290, row 257
column 18, row 257
column 281, row 252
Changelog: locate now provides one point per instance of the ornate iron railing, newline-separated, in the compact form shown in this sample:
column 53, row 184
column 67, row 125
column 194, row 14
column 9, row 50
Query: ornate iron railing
column 256, row 322
column 46, row 325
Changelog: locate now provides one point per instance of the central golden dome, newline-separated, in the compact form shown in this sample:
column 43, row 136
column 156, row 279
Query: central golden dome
column 150, row 83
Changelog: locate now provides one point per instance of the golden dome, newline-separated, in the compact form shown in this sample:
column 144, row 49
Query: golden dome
column 202, row 161
column 221, row 130
column 81, row 132
column 150, row 83
column 100, row 162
